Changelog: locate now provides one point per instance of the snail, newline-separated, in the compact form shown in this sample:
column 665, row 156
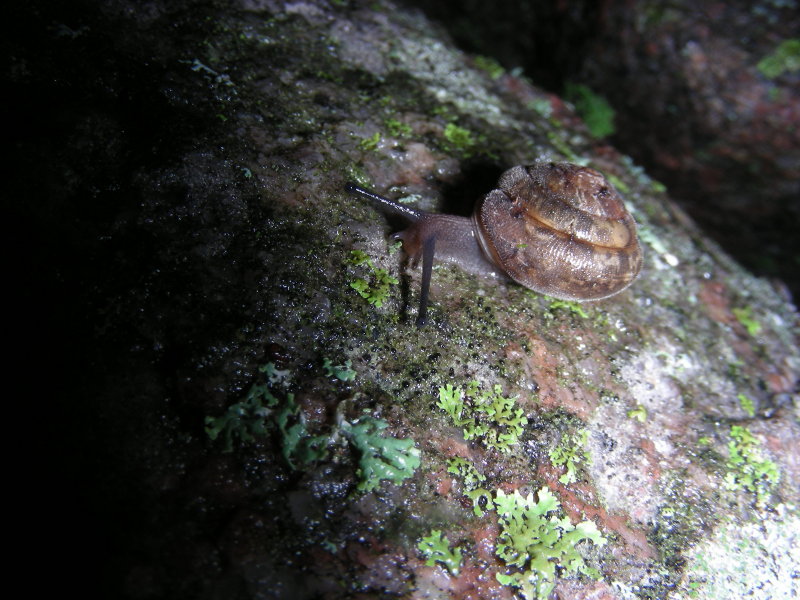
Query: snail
column 557, row 228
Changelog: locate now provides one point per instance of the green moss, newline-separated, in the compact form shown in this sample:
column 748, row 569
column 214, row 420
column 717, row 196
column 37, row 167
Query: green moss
column 397, row 128
column 490, row 65
column 571, row 453
column 436, row 548
column 570, row 305
column 561, row 146
column 747, row 405
column 747, row 468
column 484, row 415
column 595, row 110
column 536, row 544
column 460, row 139
column 745, row 317
column 371, row 143
column 618, row 183
column 785, row 59
column 639, row 413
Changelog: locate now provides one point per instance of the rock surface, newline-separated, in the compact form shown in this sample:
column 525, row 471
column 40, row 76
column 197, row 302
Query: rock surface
column 181, row 168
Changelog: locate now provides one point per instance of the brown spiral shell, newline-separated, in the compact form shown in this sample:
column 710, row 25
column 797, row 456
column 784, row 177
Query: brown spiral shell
column 559, row 229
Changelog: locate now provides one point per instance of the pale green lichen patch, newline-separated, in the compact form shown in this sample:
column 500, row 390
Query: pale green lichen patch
column 570, row 453
column 485, row 415
column 466, row 471
column 375, row 286
column 748, row 469
column 342, row 372
column 537, row 545
column 436, row 549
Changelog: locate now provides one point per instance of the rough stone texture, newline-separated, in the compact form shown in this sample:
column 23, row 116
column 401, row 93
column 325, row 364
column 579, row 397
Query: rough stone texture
column 180, row 194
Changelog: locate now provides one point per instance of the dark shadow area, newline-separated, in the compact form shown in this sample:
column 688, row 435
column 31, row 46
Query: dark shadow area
column 478, row 177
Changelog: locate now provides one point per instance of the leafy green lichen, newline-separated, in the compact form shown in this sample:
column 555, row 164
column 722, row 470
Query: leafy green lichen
column 747, row 468
column 254, row 416
column 374, row 290
column 299, row 446
column 534, row 543
column 485, row 415
column 381, row 457
column 476, row 495
column 570, row 453
column 246, row 419
column 436, row 548
column 466, row 470
column 342, row 372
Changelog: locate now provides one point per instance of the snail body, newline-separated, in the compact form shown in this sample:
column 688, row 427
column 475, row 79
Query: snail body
column 557, row 228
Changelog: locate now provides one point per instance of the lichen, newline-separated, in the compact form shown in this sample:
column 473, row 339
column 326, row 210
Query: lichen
column 436, row 548
column 375, row 288
column 747, row 467
column 536, row 545
column 572, row 454
column 260, row 410
column 342, row 372
column 485, row 415
column 381, row 458
column 750, row 559
column 466, row 471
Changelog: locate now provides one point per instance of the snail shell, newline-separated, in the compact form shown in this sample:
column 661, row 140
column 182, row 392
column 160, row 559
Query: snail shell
column 560, row 229
column 556, row 228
